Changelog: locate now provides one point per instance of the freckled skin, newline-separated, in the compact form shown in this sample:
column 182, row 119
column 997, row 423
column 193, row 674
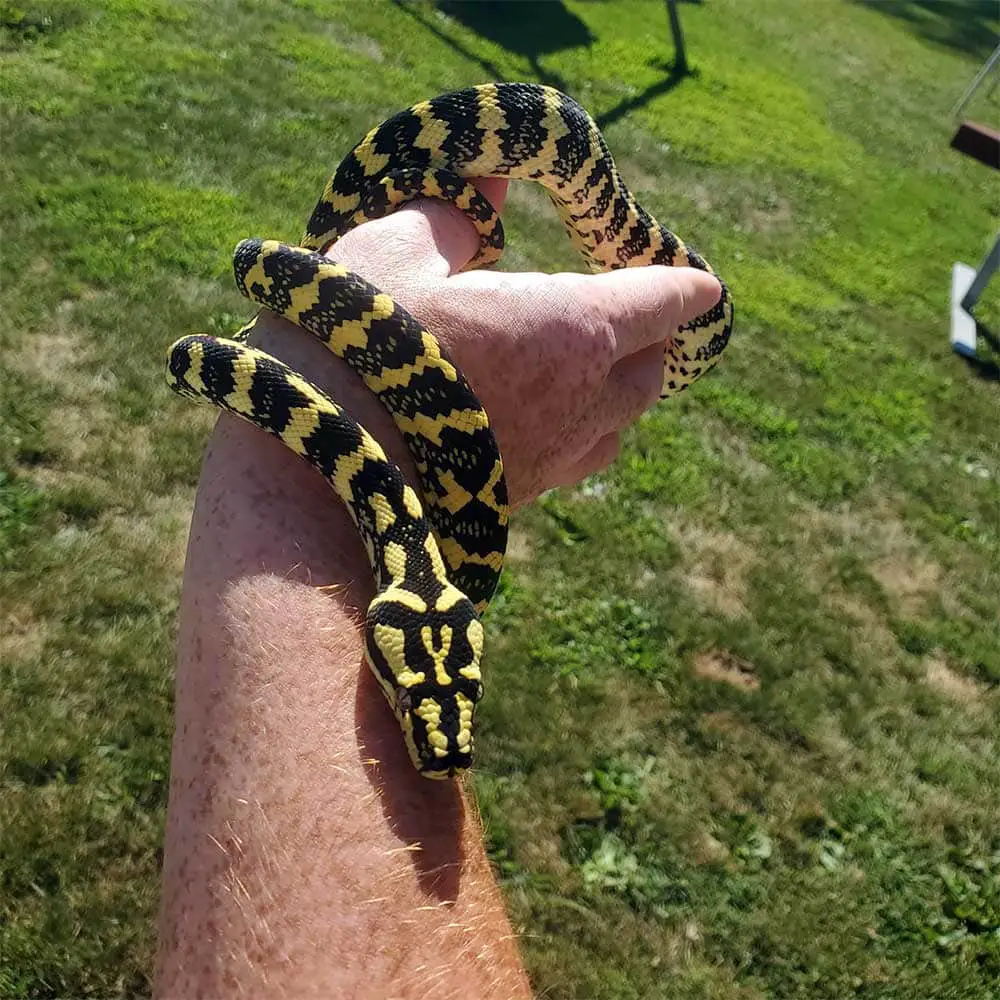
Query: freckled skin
column 282, row 744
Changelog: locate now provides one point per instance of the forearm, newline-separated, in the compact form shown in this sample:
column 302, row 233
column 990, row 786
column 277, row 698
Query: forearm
column 293, row 863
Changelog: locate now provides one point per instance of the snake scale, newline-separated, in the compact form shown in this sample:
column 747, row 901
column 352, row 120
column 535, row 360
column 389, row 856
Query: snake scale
column 437, row 558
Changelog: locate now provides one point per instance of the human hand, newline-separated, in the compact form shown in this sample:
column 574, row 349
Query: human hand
column 277, row 725
column 562, row 363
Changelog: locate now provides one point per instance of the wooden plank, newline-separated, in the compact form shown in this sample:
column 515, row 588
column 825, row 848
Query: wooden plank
column 980, row 142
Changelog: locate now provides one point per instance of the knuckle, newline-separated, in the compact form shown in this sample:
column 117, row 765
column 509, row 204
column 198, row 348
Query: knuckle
column 602, row 341
column 588, row 316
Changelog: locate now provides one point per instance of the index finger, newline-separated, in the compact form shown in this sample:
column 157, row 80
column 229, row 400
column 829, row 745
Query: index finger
column 425, row 239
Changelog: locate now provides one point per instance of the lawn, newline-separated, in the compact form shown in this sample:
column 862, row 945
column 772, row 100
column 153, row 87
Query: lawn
column 740, row 736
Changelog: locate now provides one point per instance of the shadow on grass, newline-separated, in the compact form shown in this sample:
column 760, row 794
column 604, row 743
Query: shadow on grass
column 985, row 368
column 674, row 76
column 533, row 30
column 526, row 29
column 967, row 25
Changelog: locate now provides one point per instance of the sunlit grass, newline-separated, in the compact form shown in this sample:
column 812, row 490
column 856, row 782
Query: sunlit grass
column 740, row 732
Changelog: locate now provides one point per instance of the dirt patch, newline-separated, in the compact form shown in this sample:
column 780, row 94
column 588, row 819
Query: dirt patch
column 773, row 214
column 157, row 532
column 869, row 628
column 60, row 355
column 702, row 199
column 892, row 555
column 519, row 547
column 908, row 579
column 40, row 266
column 717, row 563
column 637, row 177
column 353, row 41
column 938, row 810
column 830, row 740
column 706, row 850
column 22, row 637
column 724, row 722
column 50, row 354
column 532, row 199
column 734, row 451
column 952, row 685
column 721, row 665
column 76, row 430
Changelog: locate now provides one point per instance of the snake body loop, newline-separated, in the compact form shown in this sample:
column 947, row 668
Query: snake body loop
column 436, row 563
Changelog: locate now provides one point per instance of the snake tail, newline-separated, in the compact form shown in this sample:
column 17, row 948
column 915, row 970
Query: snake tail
column 530, row 132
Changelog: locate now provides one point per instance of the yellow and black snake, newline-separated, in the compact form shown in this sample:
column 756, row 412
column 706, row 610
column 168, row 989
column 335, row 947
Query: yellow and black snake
column 436, row 563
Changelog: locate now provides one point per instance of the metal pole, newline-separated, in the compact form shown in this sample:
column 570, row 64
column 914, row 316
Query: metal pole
column 989, row 266
column 974, row 86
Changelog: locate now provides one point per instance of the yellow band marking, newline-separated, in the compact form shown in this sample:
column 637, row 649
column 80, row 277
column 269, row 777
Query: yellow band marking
column 438, row 653
column 303, row 423
column 494, row 119
column 345, row 470
column 339, row 202
column 457, row 556
column 357, row 332
column 474, row 633
column 392, row 642
column 371, row 161
column 394, row 556
column 196, row 352
column 256, row 276
column 406, row 721
column 555, row 129
column 392, row 378
column 302, row 299
column 487, row 496
column 465, row 710
column 243, row 373
column 449, row 597
column 437, row 563
column 399, row 595
column 412, row 503
column 433, row 350
column 385, row 516
column 432, row 427
column 433, row 130
column 456, row 496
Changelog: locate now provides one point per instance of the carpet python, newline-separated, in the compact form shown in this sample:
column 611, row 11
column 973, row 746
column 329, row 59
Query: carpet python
column 437, row 558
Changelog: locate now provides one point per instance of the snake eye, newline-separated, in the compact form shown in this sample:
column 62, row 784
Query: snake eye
column 404, row 700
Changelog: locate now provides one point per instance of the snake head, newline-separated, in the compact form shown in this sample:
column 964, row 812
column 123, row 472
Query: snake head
column 426, row 660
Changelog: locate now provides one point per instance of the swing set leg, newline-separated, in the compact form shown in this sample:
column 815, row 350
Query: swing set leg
column 967, row 286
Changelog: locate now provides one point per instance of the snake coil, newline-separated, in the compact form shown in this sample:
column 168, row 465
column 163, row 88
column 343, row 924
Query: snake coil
column 436, row 562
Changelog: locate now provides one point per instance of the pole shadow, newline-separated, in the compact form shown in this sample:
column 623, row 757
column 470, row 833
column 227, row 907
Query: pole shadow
column 675, row 74
column 543, row 28
column 985, row 368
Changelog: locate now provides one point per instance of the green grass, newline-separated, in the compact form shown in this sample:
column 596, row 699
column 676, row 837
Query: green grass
column 740, row 737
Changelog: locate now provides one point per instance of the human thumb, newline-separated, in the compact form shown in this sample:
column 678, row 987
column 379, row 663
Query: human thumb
column 647, row 305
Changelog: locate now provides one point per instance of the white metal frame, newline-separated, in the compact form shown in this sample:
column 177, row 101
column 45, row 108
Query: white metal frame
column 967, row 284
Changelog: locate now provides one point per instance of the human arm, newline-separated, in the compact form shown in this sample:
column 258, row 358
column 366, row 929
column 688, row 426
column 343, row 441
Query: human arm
column 293, row 864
